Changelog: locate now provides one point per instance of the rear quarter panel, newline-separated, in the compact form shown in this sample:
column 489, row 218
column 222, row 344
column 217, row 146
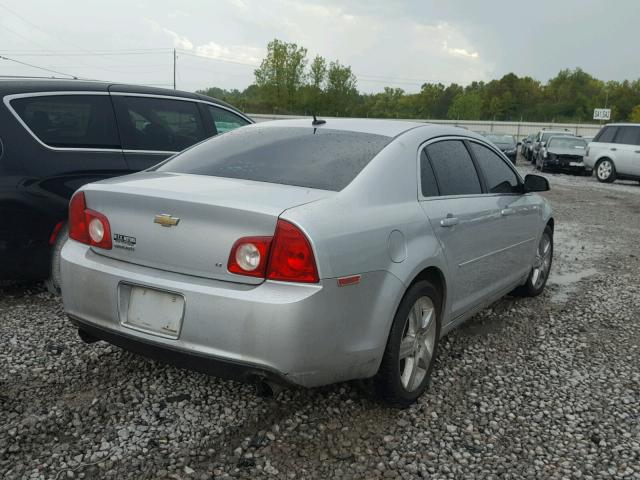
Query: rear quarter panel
column 375, row 224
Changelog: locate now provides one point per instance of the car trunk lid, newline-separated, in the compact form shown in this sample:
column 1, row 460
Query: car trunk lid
column 188, row 223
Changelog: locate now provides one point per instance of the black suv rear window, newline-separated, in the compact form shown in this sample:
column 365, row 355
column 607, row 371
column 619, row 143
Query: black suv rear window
column 306, row 157
column 75, row 121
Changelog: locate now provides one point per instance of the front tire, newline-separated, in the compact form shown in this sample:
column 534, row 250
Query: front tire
column 539, row 274
column 54, row 281
column 605, row 171
column 412, row 347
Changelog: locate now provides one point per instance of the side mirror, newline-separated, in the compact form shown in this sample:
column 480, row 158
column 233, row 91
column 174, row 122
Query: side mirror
column 543, row 144
column 519, row 143
column 536, row 183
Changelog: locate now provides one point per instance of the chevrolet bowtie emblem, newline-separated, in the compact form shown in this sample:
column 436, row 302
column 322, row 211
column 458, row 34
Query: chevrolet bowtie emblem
column 166, row 220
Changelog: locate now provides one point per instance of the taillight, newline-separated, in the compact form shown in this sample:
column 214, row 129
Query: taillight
column 287, row 256
column 291, row 257
column 88, row 226
column 249, row 256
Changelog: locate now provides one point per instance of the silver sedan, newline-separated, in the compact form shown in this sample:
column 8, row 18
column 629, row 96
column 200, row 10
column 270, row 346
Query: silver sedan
column 307, row 253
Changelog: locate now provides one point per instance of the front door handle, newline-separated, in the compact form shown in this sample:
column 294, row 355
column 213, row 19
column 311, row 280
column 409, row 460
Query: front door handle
column 614, row 149
column 507, row 211
column 637, row 151
column 449, row 221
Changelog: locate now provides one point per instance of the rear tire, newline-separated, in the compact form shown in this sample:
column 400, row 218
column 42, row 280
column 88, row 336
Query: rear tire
column 537, row 279
column 412, row 347
column 54, row 282
column 605, row 171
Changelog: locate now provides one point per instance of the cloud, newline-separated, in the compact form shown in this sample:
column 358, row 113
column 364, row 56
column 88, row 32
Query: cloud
column 236, row 53
column 179, row 41
column 462, row 52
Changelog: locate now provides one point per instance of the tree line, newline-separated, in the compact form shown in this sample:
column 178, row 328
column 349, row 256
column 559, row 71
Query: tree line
column 288, row 83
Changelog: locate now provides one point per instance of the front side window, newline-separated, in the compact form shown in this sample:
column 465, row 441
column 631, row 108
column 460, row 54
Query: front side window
column 628, row 136
column 70, row 121
column 499, row 177
column 224, row 120
column 159, row 124
column 453, row 168
column 606, row 135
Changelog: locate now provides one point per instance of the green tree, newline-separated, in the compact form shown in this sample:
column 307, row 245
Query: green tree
column 466, row 106
column 341, row 92
column 281, row 74
column 634, row 116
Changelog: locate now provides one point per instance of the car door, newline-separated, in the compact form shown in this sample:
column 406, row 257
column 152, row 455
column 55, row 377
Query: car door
column 466, row 221
column 55, row 143
column 626, row 146
column 153, row 127
column 519, row 216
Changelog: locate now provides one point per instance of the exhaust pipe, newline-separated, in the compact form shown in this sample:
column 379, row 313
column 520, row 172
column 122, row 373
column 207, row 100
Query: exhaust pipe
column 87, row 338
column 266, row 388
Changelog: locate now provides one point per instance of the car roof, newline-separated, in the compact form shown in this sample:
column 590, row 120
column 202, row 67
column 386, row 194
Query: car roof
column 389, row 128
column 622, row 124
column 14, row 85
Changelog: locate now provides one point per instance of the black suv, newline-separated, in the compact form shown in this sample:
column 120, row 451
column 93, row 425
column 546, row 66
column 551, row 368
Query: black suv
column 57, row 135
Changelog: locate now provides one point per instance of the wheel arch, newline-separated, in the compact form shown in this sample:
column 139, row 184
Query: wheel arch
column 436, row 277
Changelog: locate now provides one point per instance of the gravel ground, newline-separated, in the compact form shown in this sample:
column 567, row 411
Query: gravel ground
column 531, row 388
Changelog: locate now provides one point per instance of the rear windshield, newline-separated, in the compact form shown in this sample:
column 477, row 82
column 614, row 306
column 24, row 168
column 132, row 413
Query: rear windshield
column 306, row 157
column 547, row 135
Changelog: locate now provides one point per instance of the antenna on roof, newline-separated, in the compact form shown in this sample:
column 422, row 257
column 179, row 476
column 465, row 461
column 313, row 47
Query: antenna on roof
column 316, row 121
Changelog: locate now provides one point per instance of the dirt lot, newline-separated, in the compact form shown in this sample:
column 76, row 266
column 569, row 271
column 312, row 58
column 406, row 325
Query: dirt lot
column 531, row 388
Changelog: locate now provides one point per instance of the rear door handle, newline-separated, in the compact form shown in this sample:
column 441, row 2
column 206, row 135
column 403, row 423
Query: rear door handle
column 507, row 211
column 614, row 149
column 637, row 151
column 450, row 221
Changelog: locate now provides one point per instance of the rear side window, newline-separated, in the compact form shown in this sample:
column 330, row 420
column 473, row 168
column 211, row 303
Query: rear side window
column 606, row 135
column 453, row 167
column 71, row 121
column 628, row 136
column 159, row 124
column 224, row 120
column 499, row 177
column 306, row 157
column 428, row 183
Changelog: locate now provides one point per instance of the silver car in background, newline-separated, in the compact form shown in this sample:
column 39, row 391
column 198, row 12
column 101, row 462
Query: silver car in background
column 614, row 153
column 308, row 254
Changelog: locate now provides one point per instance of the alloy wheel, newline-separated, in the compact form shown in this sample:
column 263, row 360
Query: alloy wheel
column 604, row 170
column 418, row 343
column 542, row 263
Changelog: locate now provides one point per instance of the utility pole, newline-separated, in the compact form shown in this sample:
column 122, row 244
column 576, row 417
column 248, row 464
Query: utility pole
column 174, row 68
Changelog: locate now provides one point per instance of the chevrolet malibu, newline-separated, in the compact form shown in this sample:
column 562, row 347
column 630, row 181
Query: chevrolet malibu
column 307, row 253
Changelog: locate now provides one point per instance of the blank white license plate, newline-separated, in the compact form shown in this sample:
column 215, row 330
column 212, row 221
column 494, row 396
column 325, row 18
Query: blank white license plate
column 155, row 311
column 575, row 164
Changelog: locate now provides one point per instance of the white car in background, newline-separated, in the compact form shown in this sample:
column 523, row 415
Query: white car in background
column 614, row 153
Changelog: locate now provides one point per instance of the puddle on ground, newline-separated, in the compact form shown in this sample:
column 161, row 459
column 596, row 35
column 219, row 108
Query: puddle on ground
column 564, row 284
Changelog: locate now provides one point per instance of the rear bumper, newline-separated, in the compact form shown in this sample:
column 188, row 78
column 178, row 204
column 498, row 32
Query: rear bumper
column 219, row 367
column 303, row 334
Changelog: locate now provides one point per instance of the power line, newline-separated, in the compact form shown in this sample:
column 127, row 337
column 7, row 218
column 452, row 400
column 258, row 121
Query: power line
column 88, row 53
column 224, row 60
column 38, row 67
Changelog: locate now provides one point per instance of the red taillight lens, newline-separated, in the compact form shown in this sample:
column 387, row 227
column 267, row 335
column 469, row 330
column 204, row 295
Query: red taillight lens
column 77, row 222
column 291, row 257
column 249, row 256
column 88, row 226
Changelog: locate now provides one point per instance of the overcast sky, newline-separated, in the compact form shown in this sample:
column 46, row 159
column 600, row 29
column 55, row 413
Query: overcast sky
column 400, row 43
